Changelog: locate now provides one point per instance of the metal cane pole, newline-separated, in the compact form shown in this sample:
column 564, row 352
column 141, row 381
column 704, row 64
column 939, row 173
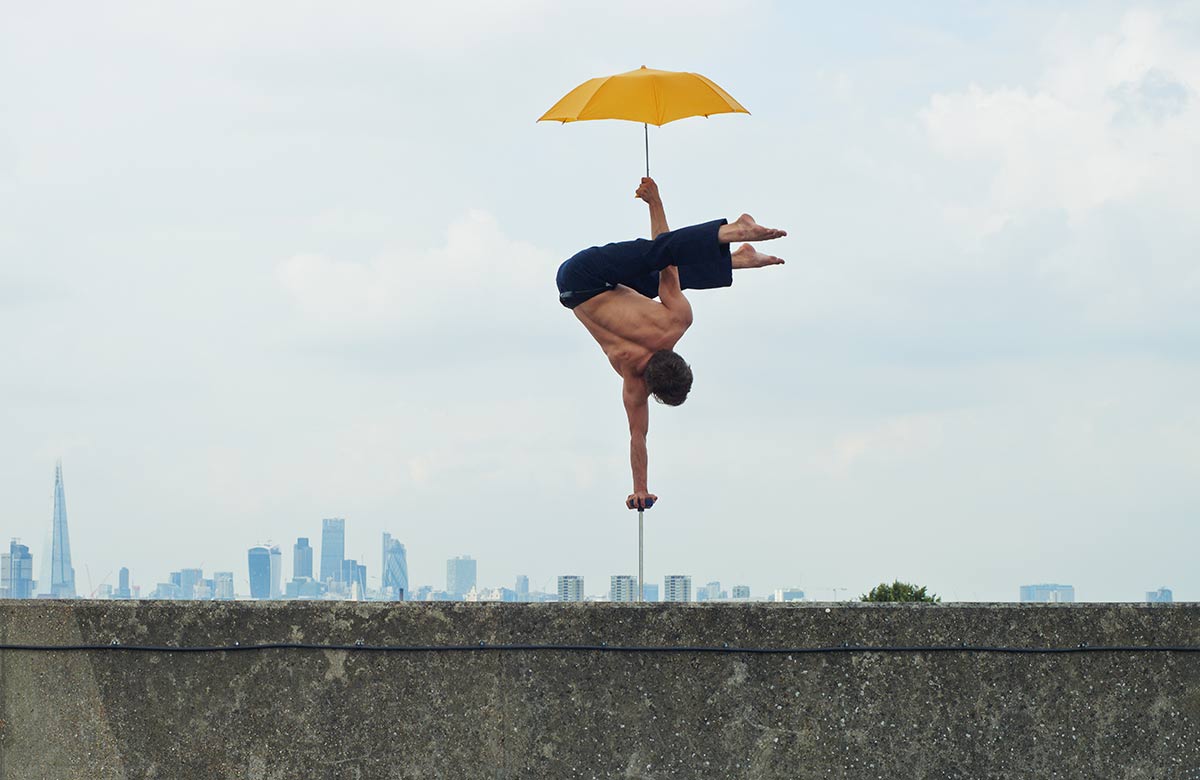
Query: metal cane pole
column 641, row 579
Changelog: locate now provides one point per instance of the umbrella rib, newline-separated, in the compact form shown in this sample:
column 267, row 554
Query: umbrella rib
column 726, row 97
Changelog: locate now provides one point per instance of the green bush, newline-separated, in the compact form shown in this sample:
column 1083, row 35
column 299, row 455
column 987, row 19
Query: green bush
column 900, row 591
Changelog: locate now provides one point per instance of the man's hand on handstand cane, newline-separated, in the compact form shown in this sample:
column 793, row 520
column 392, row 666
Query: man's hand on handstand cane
column 640, row 500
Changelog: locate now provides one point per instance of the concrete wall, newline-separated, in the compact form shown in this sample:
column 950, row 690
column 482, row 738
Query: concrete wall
column 334, row 714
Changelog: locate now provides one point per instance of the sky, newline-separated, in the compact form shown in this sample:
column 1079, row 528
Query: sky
column 265, row 264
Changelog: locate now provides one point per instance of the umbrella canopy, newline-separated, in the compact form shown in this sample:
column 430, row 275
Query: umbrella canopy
column 646, row 95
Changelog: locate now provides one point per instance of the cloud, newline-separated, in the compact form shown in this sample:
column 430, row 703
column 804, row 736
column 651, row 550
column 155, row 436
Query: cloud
column 479, row 270
column 1110, row 119
column 478, row 298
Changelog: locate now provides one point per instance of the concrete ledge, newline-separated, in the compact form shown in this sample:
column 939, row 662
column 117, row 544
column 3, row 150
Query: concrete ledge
column 549, row 714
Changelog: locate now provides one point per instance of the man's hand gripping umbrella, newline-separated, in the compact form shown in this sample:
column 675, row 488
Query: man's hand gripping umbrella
column 612, row 290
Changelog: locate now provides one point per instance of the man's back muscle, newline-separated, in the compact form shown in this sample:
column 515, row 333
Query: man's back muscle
column 629, row 327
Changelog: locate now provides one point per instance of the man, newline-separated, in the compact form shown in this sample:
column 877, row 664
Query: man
column 612, row 288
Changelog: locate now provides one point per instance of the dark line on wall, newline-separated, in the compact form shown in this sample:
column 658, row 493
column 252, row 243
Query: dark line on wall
column 601, row 648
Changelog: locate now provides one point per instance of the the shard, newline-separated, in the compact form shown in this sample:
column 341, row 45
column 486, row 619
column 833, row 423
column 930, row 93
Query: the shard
column 61, row 584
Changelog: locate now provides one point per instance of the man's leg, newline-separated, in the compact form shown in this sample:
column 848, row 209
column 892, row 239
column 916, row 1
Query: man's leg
column 747, row 256
column 701, row 252
column 744, row 228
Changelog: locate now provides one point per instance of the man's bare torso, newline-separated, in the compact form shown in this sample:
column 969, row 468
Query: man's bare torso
column 630, row 327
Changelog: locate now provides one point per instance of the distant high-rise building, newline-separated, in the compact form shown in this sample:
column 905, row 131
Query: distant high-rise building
column 1048, row 592
column 1160, row 596
column 522, row 587
column 677, row 587
column 741, row 591
column 460, row 575
column 710, row 592
column 103, row 591
column 333, row 549
column 395, row 568
column 788, row 594
column 16, row 572
column 165, row 590
column 354, row 576
column 492, row 594
column 570, row 587
column 122, row 591
column 276, row 571
column 623, row 587
column 302, row 558
column 187, row 581
column 650, row 591
column 223, row 585
column 61, row 584
column 260, row 572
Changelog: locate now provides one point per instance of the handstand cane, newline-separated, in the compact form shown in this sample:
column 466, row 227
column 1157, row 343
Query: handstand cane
column 641, row 579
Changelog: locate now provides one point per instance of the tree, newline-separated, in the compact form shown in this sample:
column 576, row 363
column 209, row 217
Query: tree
column 900, row 591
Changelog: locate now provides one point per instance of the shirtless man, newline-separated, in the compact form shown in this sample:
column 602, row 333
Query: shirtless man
column 612, row 288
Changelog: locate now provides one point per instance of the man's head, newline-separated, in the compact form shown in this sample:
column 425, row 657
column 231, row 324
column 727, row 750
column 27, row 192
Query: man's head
column 668, row 377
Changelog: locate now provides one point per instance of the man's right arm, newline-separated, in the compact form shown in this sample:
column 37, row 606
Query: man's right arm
column 648, row 191
column 670, row 291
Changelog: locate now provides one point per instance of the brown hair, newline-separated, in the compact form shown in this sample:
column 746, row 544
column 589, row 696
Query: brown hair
column 668, row 377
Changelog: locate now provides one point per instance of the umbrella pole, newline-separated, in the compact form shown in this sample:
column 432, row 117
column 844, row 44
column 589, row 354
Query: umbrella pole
column 646, row 128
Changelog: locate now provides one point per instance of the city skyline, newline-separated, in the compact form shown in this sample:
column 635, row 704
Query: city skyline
column 265, row 563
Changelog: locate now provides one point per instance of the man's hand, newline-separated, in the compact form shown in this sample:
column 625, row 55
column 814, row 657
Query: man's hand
column 640, row 500
column 648, row 191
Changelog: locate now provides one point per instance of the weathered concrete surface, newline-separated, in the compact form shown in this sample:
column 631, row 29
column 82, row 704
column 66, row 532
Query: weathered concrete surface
column 324, row 714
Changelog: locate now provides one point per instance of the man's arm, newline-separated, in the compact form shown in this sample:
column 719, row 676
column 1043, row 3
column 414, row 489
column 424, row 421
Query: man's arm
column 669, row 290
column 648, row 191
column 637, row 409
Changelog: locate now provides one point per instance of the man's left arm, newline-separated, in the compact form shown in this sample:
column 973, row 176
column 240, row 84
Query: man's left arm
column 637, row 409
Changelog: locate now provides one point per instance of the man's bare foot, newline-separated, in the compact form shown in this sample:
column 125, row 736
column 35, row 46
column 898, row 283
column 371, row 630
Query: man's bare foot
column 746, row 229
column 747, row 256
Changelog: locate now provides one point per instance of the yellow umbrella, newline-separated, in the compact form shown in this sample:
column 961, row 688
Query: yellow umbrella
column 652, row 97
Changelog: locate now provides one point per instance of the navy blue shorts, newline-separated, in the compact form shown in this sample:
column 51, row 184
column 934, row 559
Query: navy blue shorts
column 703, row 264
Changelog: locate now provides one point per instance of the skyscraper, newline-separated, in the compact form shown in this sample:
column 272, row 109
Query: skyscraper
column 570, row 587
column 1160, row 596
column 395, row 568
column 302, row 558
column 188, row 580
column 677, row 587
column 122, row 591
column 62, row 576
column 354, row 576
column 522, row 587
column 741, row 591
column 223, row 585
column 333, row 549
column 16, row 572
column 460, row 575
column 260, row 572
column 787, row 594
column 623, row 587
column 276, row 571
column 1048, row 592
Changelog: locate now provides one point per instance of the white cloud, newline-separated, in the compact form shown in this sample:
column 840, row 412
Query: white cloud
column 479, row 271
column 1110, row 119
